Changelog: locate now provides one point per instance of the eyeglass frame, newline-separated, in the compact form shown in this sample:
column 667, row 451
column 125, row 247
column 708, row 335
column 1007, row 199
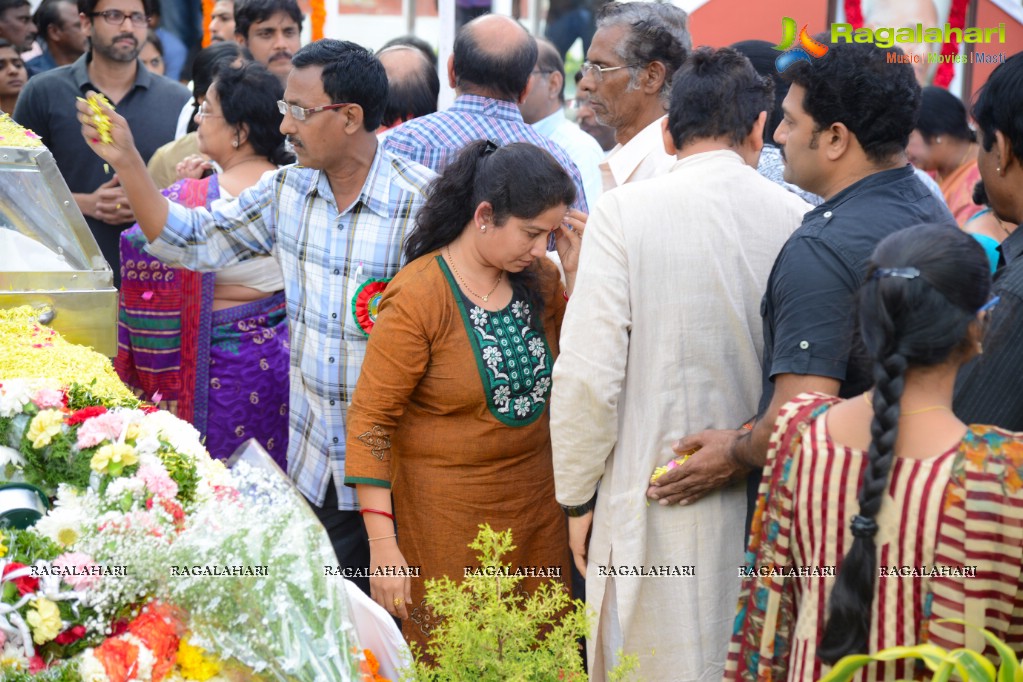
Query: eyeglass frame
column 306, row 112
column 108, row 15
column 205, row 113
column 599, row 71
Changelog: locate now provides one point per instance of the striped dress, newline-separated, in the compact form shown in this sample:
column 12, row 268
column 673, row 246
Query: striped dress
column 950, row 545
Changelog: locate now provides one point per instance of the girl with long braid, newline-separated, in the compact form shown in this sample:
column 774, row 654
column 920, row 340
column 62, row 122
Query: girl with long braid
column 881, row 515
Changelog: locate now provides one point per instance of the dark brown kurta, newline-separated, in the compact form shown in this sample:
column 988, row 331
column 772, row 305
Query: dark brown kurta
column 457, row 457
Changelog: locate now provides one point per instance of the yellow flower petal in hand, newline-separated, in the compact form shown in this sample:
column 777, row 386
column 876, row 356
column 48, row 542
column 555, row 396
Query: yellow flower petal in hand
column 99, row 115
column 44, row 619
column 44, row 427
column 112, row 458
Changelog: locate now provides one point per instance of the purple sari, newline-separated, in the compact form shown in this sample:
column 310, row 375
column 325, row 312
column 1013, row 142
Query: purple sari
column 225, row 371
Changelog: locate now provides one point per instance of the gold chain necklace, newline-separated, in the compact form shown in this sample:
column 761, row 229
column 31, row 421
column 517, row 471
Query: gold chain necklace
column 932, row 408
column 451, row 259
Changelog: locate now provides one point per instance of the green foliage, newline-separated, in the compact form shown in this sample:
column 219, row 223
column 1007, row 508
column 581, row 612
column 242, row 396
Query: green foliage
column 82, row 395
column 182, row 471
column 25, row 546
column 57, row 463
column 490, row 630
column 65, row 671
column 964, row 664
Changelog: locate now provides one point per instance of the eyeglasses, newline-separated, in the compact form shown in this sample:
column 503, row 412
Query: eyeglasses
column 300, row 114
column 116, row 17
column 204, row 112
column 589, row 68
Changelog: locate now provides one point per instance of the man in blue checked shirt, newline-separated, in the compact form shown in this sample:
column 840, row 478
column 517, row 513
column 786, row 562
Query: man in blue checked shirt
column 335, row 222
column 490, row 70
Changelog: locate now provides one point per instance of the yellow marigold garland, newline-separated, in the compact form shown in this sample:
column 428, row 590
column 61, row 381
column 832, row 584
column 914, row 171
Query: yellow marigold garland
column 100, row 117
column 14, row 135
column 31, row 350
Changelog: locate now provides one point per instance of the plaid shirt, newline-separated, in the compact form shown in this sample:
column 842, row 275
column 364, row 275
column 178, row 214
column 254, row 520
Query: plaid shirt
column 325, row 255
column 435, row 140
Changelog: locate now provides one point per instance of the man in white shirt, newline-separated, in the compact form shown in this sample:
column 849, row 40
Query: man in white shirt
column 627, row 79
column 664, row 331
column 544, row 109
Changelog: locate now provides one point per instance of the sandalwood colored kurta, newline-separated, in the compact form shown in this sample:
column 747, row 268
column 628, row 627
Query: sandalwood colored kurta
column 456, row 453
column 663, row 338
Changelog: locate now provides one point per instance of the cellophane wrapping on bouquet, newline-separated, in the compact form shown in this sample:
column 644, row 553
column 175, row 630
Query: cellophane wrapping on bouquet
column 154, row 562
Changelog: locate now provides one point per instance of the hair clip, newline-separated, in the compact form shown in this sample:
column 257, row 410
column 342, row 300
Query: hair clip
column 989, row 305
column 489, row 148
column 904, row 273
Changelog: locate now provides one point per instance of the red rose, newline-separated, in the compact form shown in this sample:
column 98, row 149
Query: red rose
column 26, row 584
column 71, row 635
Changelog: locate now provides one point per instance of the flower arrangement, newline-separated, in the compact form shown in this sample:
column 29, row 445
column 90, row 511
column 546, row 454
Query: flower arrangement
column 102, row 588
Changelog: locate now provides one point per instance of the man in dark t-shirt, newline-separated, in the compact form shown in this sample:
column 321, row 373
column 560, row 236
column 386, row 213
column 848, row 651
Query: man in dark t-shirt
column 150, row 103
column 847, row 119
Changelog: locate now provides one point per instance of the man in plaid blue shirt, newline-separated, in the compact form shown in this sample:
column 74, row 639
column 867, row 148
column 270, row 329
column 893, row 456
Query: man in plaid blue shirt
column 490, row 71
column 334, row 222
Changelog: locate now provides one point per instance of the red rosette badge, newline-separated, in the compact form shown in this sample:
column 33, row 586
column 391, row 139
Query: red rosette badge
column 366, row 303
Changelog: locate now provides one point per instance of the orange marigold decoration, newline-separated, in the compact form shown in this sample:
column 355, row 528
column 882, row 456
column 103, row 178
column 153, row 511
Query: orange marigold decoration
column 159, row 629
column 207, row 15
column 318, row 18
column 370, row 668
column 120, row 659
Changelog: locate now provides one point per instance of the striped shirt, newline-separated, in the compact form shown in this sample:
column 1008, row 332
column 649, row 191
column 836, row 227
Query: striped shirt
column 435, row 140
column 949, row 545
column 326, row 255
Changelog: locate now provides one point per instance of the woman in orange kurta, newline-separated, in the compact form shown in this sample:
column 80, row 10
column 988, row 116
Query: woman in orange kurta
column 450, row 411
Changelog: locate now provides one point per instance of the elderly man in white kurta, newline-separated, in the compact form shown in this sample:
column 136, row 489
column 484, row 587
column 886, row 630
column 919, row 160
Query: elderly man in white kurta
column 663, row 336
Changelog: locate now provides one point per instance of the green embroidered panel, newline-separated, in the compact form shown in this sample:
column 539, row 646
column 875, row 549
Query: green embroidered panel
column 513, row 359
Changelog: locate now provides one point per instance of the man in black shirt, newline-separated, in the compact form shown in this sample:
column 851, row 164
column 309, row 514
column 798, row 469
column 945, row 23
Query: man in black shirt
column 847, row 119
column 151, row 103
column 988, row 390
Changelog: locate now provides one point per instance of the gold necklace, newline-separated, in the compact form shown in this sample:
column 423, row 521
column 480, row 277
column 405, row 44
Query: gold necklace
column 932, row 408
column 467, row 288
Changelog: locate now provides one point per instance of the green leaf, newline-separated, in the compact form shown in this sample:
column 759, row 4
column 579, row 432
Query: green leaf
column 944, row 671
column 846, row 667
column 1010, row 669
column 973, row 666
column 932, row 655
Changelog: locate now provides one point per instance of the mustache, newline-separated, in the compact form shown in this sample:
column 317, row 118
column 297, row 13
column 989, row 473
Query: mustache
column 292, row 141
column 126, row 36
column 282, row 55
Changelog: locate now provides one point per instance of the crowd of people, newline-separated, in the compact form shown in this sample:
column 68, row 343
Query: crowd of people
column 804, row 291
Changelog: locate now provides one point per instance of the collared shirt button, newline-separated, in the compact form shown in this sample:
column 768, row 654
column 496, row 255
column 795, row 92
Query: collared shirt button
column 335, row 439
column 827, row 214
column 337, row 271
column 334, row 315
column 802, row 344
column 332, row 359
column 332, row 402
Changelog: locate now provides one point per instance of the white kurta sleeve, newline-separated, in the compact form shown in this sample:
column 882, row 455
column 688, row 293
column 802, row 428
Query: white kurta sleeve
column 589, row 375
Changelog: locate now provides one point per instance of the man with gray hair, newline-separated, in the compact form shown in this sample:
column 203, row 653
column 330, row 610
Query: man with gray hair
column 627, row 77
column 544, row 108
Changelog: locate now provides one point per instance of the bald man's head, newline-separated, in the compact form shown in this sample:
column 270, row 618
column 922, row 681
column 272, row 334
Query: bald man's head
column 412, row 84
column 493, row 57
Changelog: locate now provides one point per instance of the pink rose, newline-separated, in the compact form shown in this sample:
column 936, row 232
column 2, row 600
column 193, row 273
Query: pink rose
column 157, row 481
column 103, row 427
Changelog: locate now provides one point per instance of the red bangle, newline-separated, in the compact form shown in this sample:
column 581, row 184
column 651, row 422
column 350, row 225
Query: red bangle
column 377, row 511
column 565, row 294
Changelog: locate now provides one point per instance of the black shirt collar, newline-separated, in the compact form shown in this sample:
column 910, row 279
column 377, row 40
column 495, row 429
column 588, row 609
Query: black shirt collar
column 80, row 73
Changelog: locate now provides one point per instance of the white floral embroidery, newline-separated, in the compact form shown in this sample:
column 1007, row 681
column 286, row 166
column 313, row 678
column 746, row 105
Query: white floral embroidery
column 536, row 347
column 520, row 309
column 502, row 398
column 478, row 316
column 541, row 389
column 492, row 355
column 522, row 406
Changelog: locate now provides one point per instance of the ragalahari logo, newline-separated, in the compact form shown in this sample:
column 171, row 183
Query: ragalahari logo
column 807, row 49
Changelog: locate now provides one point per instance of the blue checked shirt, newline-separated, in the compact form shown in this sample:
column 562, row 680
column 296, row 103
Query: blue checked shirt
column 435, row 140
column 325, row 255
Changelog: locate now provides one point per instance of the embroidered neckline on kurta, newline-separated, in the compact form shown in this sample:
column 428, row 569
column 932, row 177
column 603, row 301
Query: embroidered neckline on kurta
column 513, row 358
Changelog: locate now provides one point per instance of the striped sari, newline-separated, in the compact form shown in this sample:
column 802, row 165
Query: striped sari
column 224, row 371
column 959, row 512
